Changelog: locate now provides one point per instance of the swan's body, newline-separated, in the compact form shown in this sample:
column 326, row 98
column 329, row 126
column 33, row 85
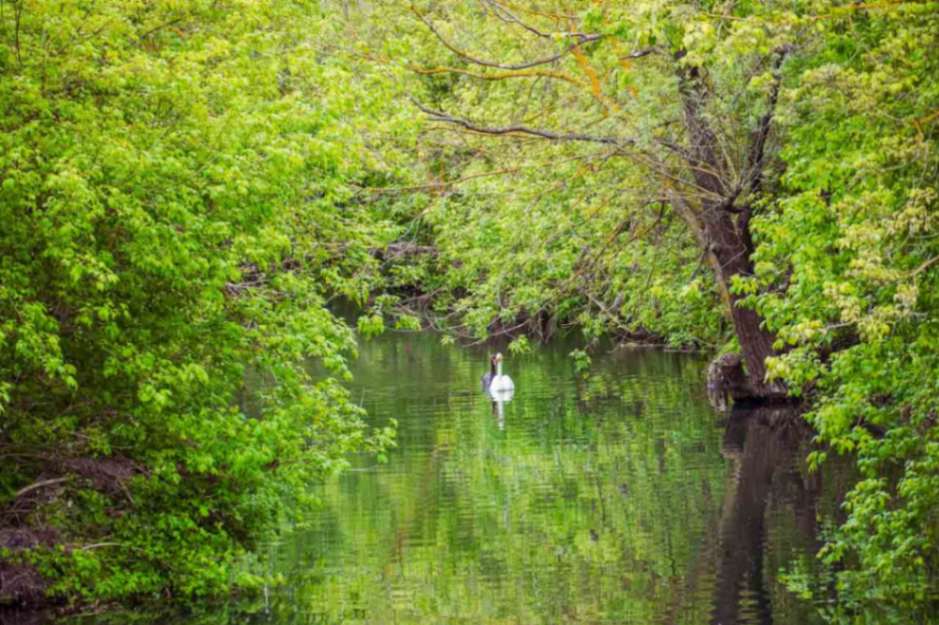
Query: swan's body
column 499, row 387
column 499, row 382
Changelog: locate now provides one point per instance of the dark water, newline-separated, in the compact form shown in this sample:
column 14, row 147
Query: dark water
column 622, row 498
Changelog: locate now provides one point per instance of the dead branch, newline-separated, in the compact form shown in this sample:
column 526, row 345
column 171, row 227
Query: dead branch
column 40, row 484
column 638, row 54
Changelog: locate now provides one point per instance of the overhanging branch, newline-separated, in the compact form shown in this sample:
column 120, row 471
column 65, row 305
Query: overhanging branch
column 516, row 129
column 507, row 16
column 581, row 38
column 505, row 75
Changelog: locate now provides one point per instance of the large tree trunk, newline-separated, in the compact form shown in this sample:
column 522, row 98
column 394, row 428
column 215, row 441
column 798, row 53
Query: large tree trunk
column 724, row 228
column 729, row 244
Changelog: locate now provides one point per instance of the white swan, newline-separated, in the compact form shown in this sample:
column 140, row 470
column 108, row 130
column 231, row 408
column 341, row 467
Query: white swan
column 500, row 382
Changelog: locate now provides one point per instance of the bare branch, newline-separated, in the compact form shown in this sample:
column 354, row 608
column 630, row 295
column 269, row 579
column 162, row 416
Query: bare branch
column 482, row 75
column 923, row 267
column 638, row 54
column 159, row 27
column 39, row 484
column 534, row 11
column 507, row 16
column 582, row 38
column 515, row 129
column 442, row 185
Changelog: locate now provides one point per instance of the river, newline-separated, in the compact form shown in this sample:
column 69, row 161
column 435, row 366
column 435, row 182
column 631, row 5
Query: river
column 620, row 497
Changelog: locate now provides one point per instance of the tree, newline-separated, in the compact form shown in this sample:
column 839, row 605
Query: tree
column 797, row 142
column 177, row 211
column 690, row 104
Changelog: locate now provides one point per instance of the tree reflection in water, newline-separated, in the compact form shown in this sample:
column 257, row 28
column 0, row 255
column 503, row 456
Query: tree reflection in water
column 766, row 446
column 609, row 499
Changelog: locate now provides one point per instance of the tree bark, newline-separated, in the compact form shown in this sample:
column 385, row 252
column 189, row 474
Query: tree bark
column 726, row 228
column 728, row 243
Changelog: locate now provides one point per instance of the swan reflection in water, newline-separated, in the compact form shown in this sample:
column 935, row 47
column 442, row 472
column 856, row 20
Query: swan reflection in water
column 499, row 400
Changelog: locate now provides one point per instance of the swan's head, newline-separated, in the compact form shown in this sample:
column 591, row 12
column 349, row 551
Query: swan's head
column 497, row 358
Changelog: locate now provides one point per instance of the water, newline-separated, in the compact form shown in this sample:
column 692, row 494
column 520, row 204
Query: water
column 621, row 499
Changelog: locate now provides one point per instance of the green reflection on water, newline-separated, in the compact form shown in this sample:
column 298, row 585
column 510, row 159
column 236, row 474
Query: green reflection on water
column 622, row 499
column 590, row 503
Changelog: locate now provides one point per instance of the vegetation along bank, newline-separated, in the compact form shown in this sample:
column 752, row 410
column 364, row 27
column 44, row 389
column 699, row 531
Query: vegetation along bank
column 186, row 187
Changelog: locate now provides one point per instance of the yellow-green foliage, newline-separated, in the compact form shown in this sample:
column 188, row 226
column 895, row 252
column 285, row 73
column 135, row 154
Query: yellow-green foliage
column 185, row 184
column 843, row 212
column 176, row 208
column 853, row 236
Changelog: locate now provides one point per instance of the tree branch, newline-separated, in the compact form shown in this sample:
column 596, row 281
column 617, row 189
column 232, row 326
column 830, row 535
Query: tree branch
column 515, row 129
column 638, row 54
column 159, row 27
column 502, row 12
column 582, row 38
column 481, row 75
column 447, row 184
column 39, row 484
column 507, row 16
column 923, row 267
column 761, row 134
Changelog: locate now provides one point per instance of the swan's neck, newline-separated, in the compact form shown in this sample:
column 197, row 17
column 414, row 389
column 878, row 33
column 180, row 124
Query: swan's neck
column 499, row 368
column 492, row 368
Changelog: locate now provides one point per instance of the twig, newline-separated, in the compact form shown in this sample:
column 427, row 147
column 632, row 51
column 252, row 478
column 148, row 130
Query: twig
column 98, row 546
column 507, row 16
column 40, row 484
column 923, row 267
column 582, row 38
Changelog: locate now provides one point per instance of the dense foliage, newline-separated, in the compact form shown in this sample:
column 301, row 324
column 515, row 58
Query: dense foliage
column 530, row 235
column 186, row 185
column 852, row 236
column 176, row 211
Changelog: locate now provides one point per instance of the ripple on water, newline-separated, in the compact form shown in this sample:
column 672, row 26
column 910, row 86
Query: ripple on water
column 616, row 499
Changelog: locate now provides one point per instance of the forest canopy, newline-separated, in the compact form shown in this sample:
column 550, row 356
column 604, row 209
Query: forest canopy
column 187, row 187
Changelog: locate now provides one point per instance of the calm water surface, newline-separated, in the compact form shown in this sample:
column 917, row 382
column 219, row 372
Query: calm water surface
column 619, row 499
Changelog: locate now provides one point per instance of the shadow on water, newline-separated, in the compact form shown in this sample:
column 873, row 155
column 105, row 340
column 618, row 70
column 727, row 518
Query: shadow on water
column 20, row 617
column 766, row 447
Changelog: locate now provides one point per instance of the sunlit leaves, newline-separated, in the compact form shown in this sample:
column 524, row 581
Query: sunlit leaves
column 178, row 206
column 854, row 228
